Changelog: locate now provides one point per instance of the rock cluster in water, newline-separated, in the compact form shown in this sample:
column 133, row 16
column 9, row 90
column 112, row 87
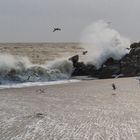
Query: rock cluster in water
column 127, row 66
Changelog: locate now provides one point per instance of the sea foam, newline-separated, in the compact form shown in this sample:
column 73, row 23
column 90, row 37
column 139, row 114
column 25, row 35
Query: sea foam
column 15, row 69
column 103, row 42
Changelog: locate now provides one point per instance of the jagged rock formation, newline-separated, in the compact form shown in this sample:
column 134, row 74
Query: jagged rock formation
column 128, row 66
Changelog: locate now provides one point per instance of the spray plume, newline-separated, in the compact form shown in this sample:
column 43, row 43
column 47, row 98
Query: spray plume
column 103, row 42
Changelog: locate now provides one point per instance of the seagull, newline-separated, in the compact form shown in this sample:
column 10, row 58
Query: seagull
column 113, row 86
column 56, row 29
column 84, row 52
column 128, row 48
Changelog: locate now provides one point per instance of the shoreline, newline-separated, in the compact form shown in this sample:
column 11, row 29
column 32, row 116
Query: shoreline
column 83, row 110
column 39, row 84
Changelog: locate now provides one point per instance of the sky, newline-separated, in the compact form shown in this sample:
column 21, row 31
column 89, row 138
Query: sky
column 34, row 20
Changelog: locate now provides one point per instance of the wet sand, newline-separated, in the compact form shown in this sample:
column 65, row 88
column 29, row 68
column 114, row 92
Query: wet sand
column 86, row 110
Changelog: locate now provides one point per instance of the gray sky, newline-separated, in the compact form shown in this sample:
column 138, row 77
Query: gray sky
column 33, row 20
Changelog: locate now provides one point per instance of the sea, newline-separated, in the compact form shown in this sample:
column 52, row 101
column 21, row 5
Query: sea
column 35, row 64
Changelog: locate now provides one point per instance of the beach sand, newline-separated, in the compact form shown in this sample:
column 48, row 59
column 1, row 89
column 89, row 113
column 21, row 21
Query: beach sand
column 86, row 110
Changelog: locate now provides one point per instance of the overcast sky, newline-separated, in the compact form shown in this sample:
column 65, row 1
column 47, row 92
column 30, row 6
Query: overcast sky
column 33, row 20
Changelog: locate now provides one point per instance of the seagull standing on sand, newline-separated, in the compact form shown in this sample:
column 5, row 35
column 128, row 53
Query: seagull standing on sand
column 113, row 86
column 56, row 29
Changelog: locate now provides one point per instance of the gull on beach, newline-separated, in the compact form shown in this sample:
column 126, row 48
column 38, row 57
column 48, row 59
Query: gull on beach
column 113, row 86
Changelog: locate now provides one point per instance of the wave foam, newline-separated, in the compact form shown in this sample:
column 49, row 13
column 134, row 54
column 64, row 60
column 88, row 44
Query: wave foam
column 103, row 42
column 15, row 69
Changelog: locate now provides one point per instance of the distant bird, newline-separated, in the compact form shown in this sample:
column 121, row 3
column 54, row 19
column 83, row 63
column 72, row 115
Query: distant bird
column 84, row 52
column 56, row 29
column 128, row 48
column 113, row 86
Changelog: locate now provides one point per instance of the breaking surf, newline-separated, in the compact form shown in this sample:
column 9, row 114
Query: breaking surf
column 16, row 70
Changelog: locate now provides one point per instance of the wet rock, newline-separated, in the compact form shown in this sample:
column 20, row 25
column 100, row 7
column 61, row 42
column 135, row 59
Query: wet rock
column 137, row 51
column 129, row 65
column 111, row 61
column 79, row 69
column 74, row 60
column 135, row 45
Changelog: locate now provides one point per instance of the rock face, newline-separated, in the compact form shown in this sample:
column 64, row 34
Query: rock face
column 128, row 66
column 81, row 69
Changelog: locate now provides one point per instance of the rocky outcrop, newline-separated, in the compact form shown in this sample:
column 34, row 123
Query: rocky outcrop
column 128, row 66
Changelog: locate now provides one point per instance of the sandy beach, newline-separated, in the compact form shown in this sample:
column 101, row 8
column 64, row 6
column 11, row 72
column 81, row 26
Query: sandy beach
column 86, row 110
column 69, row 70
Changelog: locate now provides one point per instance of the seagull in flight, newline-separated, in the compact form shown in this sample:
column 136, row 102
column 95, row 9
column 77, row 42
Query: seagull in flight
column 56, row 29
column 84, row 52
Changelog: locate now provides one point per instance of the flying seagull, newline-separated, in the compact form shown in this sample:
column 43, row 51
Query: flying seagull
column 128, row 48
column 56, row 29
column 84, row 52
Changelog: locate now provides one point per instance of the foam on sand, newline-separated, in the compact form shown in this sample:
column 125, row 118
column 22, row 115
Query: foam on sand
column 32, row 84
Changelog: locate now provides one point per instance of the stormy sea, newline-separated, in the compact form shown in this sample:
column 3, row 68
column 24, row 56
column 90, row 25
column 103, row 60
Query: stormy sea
column 31, row 64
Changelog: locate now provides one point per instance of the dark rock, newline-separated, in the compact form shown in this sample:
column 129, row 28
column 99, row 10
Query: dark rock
column 80, row 69
column 137, row 51
column 91, row 70
column 129, row 65
column 111, row 61
column 135, row 45
column 74, row 59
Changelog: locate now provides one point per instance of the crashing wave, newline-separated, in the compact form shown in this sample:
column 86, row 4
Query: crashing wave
column 102, row 42
column 15, row 69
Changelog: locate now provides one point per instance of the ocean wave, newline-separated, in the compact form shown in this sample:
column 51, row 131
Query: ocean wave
column 15, row 69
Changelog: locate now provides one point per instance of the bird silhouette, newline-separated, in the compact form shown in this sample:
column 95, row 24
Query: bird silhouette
column 56, row 29
column 84, row 52
column 113, row 86
column 128, row 48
